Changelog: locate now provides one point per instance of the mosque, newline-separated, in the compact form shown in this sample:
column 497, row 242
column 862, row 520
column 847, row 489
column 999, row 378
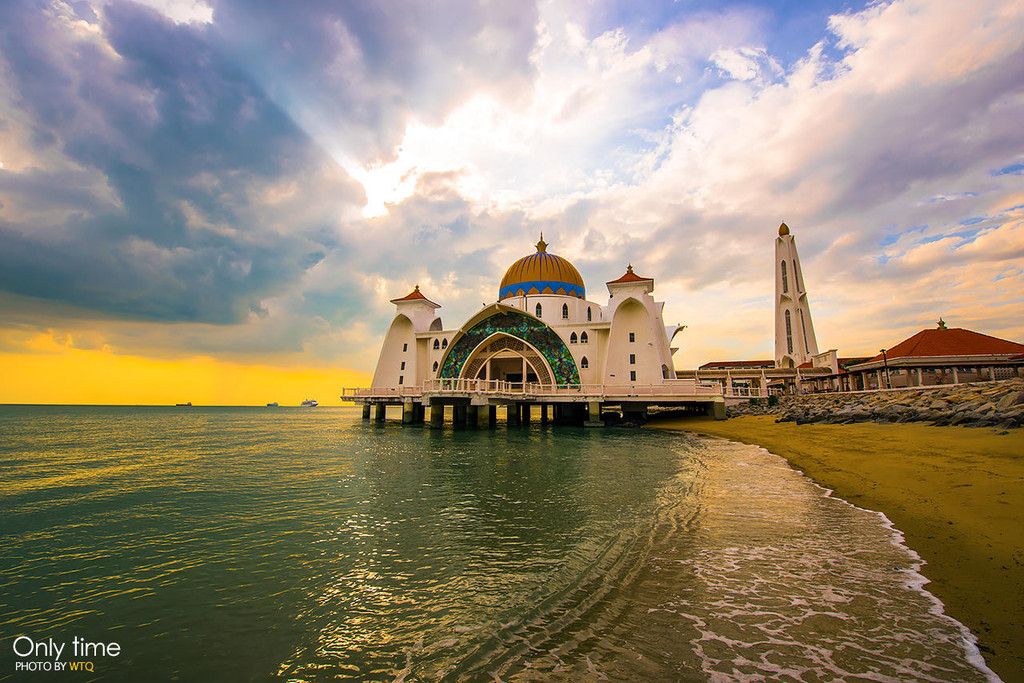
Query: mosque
column 542, row 346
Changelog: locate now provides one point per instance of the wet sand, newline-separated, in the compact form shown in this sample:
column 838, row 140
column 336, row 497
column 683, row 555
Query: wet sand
column 957, row 494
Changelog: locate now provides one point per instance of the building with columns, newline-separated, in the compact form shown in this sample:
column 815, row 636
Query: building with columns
column 940, row 355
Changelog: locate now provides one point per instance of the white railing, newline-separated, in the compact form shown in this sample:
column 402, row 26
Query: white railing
column 745, row 392
column 493, row 387
column 349, row 393
column 497, row 386
column 678, row 387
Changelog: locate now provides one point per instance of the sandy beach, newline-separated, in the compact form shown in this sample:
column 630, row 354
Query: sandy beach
column 957, row 494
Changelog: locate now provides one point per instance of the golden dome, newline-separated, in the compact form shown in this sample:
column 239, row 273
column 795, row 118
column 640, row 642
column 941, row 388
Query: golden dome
column 783, row 230
column 542, row 273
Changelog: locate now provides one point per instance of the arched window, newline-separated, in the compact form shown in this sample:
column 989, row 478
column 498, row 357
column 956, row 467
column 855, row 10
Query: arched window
column 565, row 311
column 589, row 318
column 584, row 363
column 539, row 310
column 796, row 277
column 583, row 338
column 785, row 281
column 789, row 331
column 444, row 343
column 803, row 328
column 437, row 344
column 435, row 366
column 572, row 338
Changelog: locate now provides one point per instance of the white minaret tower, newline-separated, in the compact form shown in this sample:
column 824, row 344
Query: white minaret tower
column 794, row 333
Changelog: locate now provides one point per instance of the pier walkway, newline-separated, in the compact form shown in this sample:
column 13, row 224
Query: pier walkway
column 475, row 402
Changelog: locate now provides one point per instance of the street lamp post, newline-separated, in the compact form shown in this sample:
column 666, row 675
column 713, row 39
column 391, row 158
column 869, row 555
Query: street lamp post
column 888, row 384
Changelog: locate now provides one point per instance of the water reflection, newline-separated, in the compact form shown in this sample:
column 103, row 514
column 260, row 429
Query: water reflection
column 308, row 545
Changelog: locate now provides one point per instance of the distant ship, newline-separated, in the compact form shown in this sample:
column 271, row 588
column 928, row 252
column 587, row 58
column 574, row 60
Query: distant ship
column 272, row 405
column 309, row 403
column 184, row 405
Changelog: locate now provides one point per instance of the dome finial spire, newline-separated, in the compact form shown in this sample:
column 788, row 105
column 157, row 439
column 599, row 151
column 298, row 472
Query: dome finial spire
column 542, row 246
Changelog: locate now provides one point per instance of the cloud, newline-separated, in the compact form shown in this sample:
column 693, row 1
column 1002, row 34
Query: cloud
column 260, row 179
column 156, row 167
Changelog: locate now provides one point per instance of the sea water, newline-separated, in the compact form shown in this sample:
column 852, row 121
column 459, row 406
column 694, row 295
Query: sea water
column 309, row 545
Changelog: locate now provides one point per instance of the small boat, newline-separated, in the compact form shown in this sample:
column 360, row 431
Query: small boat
column 309, row 403
column 184, row 405
column 272, row 405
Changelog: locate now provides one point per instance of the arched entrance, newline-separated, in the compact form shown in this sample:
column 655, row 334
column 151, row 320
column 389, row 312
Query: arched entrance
column 505, row 358
column 542, row 348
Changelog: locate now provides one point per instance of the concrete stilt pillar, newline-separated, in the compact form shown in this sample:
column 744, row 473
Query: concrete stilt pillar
column 437, row 415
column 408, row 411
column 593, row 414
column 543, row 413
column 716, row 409
column 512, row 414
column 558, row 413
column 526, row 413
column 418, row 412
column 366, row 411
column 378, row 412
column 472, row 416
column 483, row 417
column 492, row 416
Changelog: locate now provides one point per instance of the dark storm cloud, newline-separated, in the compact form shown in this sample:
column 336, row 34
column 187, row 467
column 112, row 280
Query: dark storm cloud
column 179, row 135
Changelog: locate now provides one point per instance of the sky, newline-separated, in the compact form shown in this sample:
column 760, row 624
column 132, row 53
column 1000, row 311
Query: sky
column 214, row 200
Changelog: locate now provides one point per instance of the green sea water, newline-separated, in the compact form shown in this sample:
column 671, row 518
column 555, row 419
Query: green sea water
column 259, row 544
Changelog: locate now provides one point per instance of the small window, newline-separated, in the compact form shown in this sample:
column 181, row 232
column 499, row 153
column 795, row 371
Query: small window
column 789, row 331
column 632, row 336
column 785, row 281
column 573, row 338
column 632, row 360
column 403, row 366
column 401, row 379
column 584, row 363
column 539, row 310
column 583, row 338
column 803, row 329
column 405, row 347
column 437, row 344
column 565, row 311
column 632, row 376
column 444, row 343
column 589, row 314
column 435, row 366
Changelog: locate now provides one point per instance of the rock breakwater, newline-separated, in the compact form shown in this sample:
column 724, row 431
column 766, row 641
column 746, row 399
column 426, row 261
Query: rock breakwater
column 981, row 404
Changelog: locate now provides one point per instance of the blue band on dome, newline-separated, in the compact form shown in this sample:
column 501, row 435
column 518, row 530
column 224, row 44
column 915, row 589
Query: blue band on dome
column 523, row 288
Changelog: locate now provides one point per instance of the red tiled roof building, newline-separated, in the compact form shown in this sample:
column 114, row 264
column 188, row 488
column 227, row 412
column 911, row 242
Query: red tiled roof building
column 942, row 355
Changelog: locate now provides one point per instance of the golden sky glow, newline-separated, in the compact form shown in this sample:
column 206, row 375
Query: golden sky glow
column 56, row 374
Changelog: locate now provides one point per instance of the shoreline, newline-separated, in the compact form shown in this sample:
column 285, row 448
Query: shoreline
column 956, row 494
